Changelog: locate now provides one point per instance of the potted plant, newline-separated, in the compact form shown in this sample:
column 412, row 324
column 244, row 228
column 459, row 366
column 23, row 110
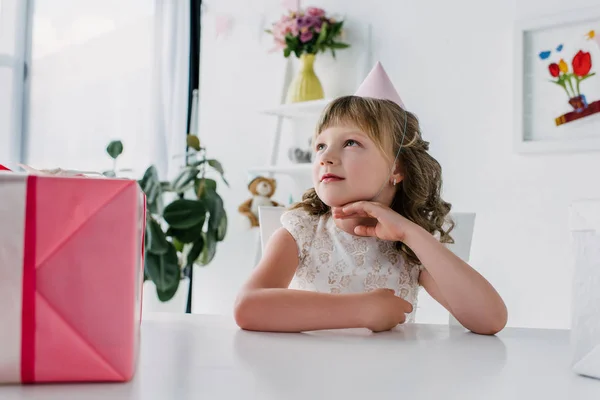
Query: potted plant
column 185, row 219
column 305, row 34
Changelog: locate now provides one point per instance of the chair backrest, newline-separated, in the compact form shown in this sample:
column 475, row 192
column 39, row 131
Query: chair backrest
column 269, row 219
column 462, row 234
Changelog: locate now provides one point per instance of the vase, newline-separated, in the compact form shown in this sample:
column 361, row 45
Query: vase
column 306, row 84
column 579, row 103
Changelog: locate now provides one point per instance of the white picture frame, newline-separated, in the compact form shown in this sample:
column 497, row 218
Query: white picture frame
column 539, row 110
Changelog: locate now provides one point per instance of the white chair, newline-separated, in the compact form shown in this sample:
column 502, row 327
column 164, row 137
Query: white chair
column 269, row 219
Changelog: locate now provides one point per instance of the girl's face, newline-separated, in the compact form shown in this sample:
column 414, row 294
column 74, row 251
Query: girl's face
column 349, row 167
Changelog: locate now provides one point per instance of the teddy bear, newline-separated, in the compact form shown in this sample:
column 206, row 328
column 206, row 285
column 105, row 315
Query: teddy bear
column 262, row 189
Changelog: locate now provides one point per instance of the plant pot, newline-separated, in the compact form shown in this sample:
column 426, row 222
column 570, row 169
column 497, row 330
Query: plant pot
column 176, row 304
column 579, row 103
column 306, row 85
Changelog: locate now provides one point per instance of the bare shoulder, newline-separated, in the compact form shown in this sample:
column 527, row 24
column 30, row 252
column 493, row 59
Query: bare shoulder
column 278, row 263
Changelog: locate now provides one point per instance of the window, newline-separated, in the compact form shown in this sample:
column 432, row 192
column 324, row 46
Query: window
column 90, row 82
column 13, row 22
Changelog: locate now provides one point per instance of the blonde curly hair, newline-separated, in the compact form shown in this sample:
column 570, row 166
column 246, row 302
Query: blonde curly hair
column 418, row 197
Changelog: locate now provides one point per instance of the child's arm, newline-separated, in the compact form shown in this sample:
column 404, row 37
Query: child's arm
column 265, row 304
column 451, row 281
column 467, row 295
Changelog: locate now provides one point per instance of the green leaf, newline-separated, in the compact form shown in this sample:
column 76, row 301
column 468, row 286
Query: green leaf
column 114, row 149
column 219, row 168
column 163, row 269
column 153, row 193
column 196, row 250
column 166, row 186
column 210, row 248
column 178, row 245
column 336, row 27
column 186, row 235
column 184, row 213
column 287, row 52
column 185, row 179
column 204, row 184
column 157, row 242
column 153, row 189
column 150, row 177
column 214, row 205
column 323, row 33
column 217, row 225
column 587, row 76
column 222, row 228
column 168, row 294
column 193, row 142
column 291, row 41
column 216, row 165
column 339, row 45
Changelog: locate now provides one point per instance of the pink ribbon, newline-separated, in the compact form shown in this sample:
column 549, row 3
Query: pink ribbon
column 29, row 282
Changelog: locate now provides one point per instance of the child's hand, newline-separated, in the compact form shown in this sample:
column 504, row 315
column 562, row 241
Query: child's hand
column 384, row 310
column 389, row 224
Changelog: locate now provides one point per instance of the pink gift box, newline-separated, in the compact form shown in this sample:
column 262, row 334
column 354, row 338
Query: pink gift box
column 71, row 274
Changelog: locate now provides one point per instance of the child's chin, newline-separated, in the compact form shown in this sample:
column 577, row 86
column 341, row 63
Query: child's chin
column 339, row 201
column 332, row 201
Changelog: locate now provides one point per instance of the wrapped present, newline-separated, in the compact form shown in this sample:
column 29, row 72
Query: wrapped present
column 71, row 274
column 585, row 329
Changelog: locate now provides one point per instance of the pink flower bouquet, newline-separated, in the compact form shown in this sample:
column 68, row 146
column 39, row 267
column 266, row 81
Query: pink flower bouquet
column 309, row 32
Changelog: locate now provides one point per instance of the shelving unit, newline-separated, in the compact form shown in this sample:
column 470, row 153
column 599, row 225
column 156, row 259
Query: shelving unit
column 285, row 111
column 300, row 173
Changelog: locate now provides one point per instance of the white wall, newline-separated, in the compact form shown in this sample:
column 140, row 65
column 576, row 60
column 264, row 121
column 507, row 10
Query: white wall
column 452, row 64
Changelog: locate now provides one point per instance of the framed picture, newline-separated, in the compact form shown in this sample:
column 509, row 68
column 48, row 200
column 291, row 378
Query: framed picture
column 557, row 83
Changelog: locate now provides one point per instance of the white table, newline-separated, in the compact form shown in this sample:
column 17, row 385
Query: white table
column 207, row 357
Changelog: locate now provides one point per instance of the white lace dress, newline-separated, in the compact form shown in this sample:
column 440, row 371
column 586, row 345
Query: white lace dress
column 334, row 261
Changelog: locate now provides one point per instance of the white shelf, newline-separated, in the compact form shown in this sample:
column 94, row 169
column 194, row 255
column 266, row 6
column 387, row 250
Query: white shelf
column 302, row 109
column 291, row 169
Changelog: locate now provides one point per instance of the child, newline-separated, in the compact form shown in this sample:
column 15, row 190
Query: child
column 354, row 252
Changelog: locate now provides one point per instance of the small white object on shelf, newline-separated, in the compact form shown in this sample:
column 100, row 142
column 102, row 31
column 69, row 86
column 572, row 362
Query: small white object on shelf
column 298, row 110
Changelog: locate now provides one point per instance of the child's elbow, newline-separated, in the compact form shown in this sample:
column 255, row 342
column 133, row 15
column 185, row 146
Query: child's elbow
column 243, row 312
column 495, row 324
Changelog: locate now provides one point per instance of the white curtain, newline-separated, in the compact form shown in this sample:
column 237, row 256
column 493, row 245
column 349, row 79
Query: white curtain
column 171, row 80
column 13, row 21
column 107, row 70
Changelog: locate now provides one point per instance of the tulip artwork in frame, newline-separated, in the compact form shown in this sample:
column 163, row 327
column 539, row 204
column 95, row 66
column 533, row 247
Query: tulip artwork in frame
column 558, row 83
column 569, row 77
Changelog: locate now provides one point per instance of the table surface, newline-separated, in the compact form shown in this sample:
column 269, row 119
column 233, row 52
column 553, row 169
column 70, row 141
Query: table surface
column 209, row 357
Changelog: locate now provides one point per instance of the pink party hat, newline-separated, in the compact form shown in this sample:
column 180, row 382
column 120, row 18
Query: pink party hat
column 379, row 85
